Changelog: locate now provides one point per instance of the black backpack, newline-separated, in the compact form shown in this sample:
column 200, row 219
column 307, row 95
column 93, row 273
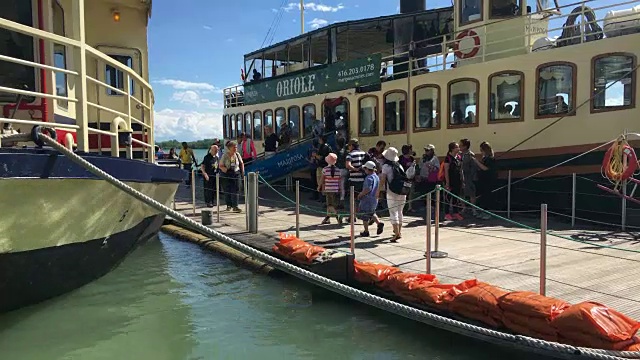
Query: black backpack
column 400, row 184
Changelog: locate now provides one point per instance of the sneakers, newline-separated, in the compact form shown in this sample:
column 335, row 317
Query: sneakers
column 326, row 221
column 236, row 210
column 458, row 216
column 380, row 228
column 228, row 208
column 453, row 217
column 339, row 218
column 364, row 234
column 448, row 217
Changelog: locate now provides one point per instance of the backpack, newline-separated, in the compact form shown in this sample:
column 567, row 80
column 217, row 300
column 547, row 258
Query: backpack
column 400, row 184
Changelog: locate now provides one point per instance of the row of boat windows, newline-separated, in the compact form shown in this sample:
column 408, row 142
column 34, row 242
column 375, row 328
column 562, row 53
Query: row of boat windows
column 612, row 82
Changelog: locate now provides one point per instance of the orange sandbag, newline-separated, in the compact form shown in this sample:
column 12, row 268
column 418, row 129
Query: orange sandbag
column 582, row 339
column 596, row 320
column 372, row 273
column 460, row 289
column 536, row 324
column 433, row 295
column 403, row 284
column 634, row 347
column 307, row 254
column 480, row 303
column 535, row 328
column 475, row 314
column 532, row 305
column 288, row 244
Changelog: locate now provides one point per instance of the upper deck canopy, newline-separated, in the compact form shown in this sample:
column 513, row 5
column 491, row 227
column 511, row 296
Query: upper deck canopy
column 353, row 39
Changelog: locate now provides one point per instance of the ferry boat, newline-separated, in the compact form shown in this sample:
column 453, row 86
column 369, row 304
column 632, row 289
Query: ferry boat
column 77, row 70
column 543, row 83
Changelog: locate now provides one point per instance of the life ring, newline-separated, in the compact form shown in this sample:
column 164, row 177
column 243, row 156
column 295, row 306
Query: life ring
column 613, row 163
column 476, row 41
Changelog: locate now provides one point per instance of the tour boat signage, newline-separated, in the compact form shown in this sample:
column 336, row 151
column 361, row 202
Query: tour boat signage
column 333, row 77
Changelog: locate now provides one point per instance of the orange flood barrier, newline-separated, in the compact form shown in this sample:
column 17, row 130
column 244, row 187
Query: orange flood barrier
column 293, row 248
column 404, row 284
column 531, row 314
column 480, row 302
column 372, row 273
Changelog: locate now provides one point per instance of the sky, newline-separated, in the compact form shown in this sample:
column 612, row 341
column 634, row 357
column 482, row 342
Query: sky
column 197, row 48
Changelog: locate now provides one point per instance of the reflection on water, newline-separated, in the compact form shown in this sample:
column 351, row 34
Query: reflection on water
column 173, row 300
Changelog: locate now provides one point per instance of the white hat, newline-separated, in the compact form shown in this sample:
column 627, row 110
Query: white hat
column 391, row 154
column 369, row 165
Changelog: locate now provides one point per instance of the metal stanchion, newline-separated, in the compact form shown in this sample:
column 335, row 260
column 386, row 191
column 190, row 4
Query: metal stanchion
column 246, row 200
column 193, row 190
column 257, row 185
column 509, row 195
column 250, row 201
column 543, row 249
column 298, row 209
column 218, row 195
column 352, row 219
column 624, row 204
column 436, row 254
column 427, row 253
column 573, row 201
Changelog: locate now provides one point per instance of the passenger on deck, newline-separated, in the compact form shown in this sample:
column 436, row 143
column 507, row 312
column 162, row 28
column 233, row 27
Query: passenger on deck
column 187, row 159
column 256, row 75
column 453, row 181
column 324, row 150
column 354, row 163
column 469, row 174
column 341, row 125
column 471, row 118
column 396, row 202
column 561, row 106
column 284, row 140
column 249, row 152
column 317, row 131
column 342, row 165
column 270, row 142
column 172, row 154
column 209, row 169
column 232, row 168
column 487, row 178
column 330, row 184
column 429, row 167
column 368, row 199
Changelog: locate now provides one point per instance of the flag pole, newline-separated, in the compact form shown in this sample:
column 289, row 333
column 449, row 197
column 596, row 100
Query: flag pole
column 301, row 16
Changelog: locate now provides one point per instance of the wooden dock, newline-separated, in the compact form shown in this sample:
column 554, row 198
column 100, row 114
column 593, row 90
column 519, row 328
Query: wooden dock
column 492, row 251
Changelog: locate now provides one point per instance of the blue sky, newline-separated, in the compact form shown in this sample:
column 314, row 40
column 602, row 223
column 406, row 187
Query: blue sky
column 197, row 48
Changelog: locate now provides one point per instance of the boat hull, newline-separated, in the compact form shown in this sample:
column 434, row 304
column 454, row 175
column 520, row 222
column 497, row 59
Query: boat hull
column 63, row 227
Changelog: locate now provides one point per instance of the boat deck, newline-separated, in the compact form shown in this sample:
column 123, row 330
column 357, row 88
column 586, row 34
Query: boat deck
column 492, row 251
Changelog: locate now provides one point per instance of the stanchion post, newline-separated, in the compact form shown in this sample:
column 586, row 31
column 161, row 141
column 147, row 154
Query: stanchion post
column 509, row 195
column 250, row 199
column 427, row 253
column 437, row 254
column 218, row 195
column 573, row 200
column 624, row 205
column 193, row 190
column 246, row 201
column 257, row 199
column 352, row 220
column 543, row 249
column 298, row 209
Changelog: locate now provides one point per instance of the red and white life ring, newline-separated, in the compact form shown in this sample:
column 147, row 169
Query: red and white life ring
column 476, row 47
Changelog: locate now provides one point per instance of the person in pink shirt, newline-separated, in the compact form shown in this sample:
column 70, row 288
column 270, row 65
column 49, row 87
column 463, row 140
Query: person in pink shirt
column 248, row 149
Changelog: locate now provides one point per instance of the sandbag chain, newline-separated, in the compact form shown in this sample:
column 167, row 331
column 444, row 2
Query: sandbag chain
column 367, row 298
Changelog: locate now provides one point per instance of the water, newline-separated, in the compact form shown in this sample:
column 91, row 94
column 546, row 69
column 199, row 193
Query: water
column 200, row 153
column 173, row 300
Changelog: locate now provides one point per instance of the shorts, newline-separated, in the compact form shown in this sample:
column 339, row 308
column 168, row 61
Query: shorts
column 470, row 189
column 366, row 209
column 332, row 199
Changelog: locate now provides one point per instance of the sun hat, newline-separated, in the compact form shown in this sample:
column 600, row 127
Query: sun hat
column 391, row 154
column 331, row 159
column 369, row 165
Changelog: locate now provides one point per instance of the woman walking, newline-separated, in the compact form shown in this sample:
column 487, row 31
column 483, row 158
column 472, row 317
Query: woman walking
column 209, row 169
column 330, row 184
column 232, row 167
column 453, row 181
column 486, row 178
column 395, row 201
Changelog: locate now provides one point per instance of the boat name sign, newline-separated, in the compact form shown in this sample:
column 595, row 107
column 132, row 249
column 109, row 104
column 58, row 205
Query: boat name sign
column 330, row 78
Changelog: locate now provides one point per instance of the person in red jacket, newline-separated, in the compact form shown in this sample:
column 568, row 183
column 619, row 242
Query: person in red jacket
column 247, row 149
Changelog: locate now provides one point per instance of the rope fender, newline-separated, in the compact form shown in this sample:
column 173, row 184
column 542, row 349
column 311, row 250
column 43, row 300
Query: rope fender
column 536, row 345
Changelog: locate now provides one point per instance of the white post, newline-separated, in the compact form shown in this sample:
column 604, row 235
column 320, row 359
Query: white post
column 509, row 195
column 543, row 249
column 624, row 204
column 193, row 190
column 218, row 196
column 246, row 202
column 352, row 220
column 427, row 253
column 80, row 59
column 298, row 209
column 573, row 201
column 437, row 254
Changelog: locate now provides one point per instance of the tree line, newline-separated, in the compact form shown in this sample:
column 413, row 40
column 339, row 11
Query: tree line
column 199, row 144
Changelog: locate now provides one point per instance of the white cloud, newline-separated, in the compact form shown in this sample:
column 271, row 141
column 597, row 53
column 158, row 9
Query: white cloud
column 318, row 23
column 187, row 125
column 187, row 85
column 190, row 97
column 207, row 27
column 310, row 6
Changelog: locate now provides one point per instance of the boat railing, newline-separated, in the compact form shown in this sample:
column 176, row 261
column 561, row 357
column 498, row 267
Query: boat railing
column 121, row 118
column 496, row 40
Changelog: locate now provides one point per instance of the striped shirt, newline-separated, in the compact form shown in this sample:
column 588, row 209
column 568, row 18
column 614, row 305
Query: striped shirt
column 331, row 183
column 357, row 160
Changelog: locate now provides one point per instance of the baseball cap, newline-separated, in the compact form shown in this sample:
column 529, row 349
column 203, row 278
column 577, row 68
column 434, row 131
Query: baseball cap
column 369, row 165
column 430, row 147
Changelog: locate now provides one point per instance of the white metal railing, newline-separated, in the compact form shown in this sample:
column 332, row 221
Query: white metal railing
column 553, row 21
column 144, row 103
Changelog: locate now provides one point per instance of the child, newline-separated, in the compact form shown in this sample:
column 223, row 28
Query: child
column 367, row 199
column 330, row 184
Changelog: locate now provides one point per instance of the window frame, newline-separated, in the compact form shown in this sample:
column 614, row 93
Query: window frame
column 299, row 120
column 132, row 87
column 253, row 125
column 492, row 17
column 264, row 119
column 303, row 135
column 241, row 130
column 244, row 123
column 477, row 103
column 460, row 7
column 232, row 127
column 376, row 131
column 634, row 63
column 416, row 129
column 384, row 113
column 574, row 90
column 275, row 119
column 522, row 97
column 61, row 104
column 225, row 126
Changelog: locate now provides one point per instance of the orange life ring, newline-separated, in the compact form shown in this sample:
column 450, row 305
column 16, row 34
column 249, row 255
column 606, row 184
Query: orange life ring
column 632, row 163
column 476, row 40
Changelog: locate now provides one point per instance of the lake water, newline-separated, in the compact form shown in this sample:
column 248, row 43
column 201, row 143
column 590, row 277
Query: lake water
column 173, row 300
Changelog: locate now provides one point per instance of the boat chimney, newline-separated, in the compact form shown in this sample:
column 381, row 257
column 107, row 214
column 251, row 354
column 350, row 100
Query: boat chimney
column 409, row 6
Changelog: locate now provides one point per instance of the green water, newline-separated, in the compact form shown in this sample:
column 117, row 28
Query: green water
column 173, row 300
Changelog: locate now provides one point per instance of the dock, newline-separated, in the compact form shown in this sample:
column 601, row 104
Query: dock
column 583, row 264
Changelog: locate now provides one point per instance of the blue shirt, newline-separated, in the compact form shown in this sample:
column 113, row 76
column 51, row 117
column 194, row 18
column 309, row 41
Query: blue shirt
column 369, row 201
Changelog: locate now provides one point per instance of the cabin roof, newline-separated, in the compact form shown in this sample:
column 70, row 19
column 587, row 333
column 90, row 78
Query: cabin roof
column 362, row 32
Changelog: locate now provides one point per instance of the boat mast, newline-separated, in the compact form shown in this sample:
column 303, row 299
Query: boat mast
column 301, row 16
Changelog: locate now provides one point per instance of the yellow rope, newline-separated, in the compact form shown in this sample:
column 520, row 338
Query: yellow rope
column 617, row 164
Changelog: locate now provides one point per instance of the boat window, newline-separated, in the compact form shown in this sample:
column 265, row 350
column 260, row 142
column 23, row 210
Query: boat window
column 247, row 124
column 225, row 128
column 427, row 107
column 613, row 82
column 294, row 122
column 239, row 122
column 268, row 119
column 232, row 127
column 555, row 87
column 309, row 112
column 506, row 96
column 60, row 55
column 280, row 118
column 115, row 77
column 368, row 115
column 19, row 46
column 463, row 100
column 500, row 9
column 395, row 107
column 257, row 125
column 470, row 11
